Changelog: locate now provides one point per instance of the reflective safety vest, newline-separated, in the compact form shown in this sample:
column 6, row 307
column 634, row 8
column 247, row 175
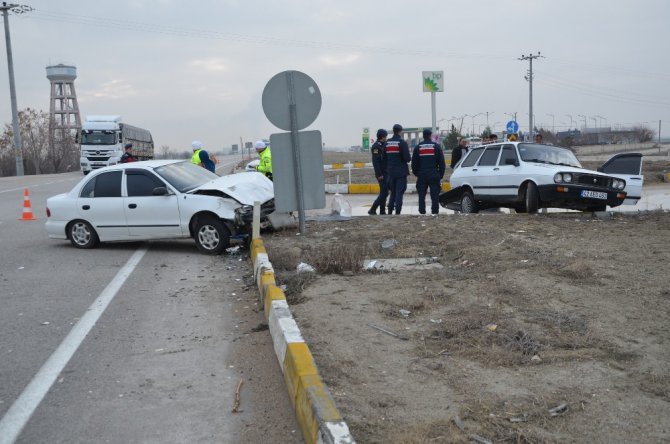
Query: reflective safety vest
column 196, row 157
column 265, row 165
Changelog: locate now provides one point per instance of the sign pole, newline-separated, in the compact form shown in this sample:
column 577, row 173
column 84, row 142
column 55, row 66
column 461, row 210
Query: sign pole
column 295, row 142
column 432, row 103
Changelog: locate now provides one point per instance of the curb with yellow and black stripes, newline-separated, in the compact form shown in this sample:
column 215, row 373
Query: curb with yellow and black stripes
column 314, row 407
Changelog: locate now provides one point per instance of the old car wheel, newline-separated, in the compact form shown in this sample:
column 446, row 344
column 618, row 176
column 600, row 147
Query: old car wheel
column 532, row 198
column 82, row 234
column 211, row 236
column 468, row 203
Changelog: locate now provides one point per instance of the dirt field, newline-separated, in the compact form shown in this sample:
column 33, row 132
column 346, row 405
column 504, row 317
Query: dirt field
column 501, row 327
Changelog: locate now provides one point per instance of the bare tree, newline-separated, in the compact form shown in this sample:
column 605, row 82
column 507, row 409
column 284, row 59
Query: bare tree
column 165, row 151
column 643, row 133
column 7, row 157
column 34, row 126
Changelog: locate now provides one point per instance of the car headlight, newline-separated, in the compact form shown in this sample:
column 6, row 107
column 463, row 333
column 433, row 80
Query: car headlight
column 567, row 177
column 558, row 177
column 245, row 209
column 619, row 184
column 562, row 177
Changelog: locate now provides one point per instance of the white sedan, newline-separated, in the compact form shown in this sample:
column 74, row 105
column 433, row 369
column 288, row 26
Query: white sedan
column 529, row 176
column 159, row 199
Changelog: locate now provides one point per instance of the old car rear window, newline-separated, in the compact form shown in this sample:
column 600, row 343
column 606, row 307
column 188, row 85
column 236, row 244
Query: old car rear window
column 473, row 157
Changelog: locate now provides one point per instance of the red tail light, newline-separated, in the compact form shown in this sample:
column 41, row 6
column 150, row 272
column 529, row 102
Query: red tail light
column 48, row 212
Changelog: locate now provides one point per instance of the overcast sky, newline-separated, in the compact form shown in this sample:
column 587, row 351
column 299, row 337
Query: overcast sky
column 196, row 70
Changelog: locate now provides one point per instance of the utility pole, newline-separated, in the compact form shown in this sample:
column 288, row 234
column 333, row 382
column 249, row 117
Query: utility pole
column 659, row 136
column 18, row 147
column 529, row 78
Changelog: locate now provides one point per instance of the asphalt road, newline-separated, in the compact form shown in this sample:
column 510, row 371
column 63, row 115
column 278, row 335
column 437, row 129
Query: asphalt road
column 130, row 342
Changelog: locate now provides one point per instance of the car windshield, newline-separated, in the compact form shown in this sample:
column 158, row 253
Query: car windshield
column 531, row 152
column 185, row 176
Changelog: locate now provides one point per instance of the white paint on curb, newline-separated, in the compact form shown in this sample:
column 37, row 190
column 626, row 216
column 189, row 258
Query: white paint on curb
column 262, row 264
column 339, row 433
column 283, row 329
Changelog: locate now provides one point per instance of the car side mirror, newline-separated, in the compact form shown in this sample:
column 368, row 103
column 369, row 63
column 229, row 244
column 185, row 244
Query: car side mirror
column 160, row 191
column 512, row 162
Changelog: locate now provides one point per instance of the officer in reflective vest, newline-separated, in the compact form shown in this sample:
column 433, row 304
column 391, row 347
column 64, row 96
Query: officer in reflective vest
column 197, row 147
column 265, row 165
column 428, row 166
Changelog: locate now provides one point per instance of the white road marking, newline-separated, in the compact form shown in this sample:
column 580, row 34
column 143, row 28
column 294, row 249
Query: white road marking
column 23, row 408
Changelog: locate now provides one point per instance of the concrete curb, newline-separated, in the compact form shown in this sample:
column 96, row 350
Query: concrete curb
column 315, row 409
column 369, row 188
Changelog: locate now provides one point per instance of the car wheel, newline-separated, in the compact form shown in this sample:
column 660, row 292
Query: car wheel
column 532, row 198
column 468, row 204
column 211, row 236
column 82, row 234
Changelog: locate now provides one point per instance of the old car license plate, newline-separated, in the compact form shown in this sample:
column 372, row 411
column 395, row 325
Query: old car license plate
column 594, row 194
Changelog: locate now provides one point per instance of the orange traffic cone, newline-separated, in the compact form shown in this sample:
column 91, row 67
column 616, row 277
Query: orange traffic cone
column 27, row 210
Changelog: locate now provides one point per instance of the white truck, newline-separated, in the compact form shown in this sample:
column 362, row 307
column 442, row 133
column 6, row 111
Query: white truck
column 103, row 138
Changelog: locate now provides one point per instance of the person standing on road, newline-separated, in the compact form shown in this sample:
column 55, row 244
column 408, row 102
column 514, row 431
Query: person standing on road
column 265, row 165
column 397, row 157
column 128, row 155
column 202, row 157
column 459, row 151
column 379, row 164
column 428, row 166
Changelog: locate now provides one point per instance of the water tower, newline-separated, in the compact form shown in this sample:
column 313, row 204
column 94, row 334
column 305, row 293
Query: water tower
column 64, row 120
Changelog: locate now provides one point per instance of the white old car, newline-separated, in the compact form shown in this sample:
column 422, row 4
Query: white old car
column 159, row 199
column 529, row 176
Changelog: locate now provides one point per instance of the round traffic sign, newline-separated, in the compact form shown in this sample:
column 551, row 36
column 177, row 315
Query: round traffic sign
column 288, row 88
column 512, row 126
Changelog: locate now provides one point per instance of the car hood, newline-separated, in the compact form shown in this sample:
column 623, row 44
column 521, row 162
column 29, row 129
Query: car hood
column 565, row 169
column 246, row 188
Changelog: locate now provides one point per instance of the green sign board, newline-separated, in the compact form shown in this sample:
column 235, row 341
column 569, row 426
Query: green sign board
column 366, row 139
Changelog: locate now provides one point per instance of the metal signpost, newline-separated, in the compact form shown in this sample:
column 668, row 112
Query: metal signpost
column 433, row 81
column 292, row 101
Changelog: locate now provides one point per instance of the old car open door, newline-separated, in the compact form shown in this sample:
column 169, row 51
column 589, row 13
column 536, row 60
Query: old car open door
column 627, row 166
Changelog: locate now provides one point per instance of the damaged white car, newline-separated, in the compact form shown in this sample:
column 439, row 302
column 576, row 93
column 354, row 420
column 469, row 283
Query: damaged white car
column 160, row 199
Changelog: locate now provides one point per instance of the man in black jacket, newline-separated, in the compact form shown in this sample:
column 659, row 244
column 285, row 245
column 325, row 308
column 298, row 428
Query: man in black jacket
column 379, row 164
column 428, row 166
column 458, row 152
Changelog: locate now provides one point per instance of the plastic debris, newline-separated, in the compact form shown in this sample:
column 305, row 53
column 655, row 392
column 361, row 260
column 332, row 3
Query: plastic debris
column 305, row 268
column 371, row 265
column 389, row 244
column 558, row 410
column 436, row 321
column 491, row 327
column 404, row 313
column 340, row 206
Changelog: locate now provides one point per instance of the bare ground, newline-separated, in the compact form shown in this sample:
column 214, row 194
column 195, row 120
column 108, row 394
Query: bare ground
column 527, row 314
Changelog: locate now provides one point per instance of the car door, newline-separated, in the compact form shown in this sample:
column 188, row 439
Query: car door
column 627, row 166
column 504, row 182
column 101, row 204
column 485, row 171
column 149, row 216
column 466, row 173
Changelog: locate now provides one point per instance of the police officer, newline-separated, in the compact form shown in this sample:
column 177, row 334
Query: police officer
column 128, row 155
column 397, row 157
column 428, row 166
column 265, row 165
column 379, row 164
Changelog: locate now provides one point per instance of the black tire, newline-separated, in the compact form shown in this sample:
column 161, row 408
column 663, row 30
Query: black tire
column 468, row 204
column 82, row 234
column 520, row 209
column 211, row 236
column 532, row 198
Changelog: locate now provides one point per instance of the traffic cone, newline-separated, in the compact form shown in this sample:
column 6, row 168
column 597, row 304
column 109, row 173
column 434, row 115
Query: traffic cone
column 27, row 210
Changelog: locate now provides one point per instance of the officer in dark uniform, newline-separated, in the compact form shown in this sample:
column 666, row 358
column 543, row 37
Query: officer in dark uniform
column 428, row 166
column 397, row 157
column 128, row 155
column 379, row 164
